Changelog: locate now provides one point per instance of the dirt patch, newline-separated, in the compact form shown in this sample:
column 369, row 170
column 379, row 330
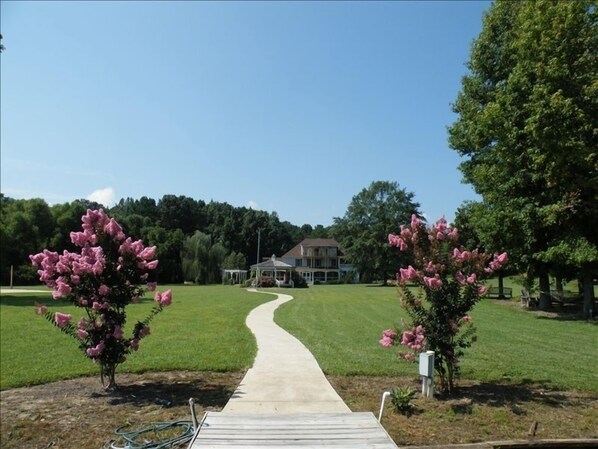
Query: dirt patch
column 78, row 413
column 477, row 412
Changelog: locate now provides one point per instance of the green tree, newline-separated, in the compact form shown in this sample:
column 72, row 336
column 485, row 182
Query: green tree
column 363, row 231
column 235, row 261
column 181, row 212
column 202, row 259
column 170, row 245
column 26, row 226
column 489, row 229
column 528, row 129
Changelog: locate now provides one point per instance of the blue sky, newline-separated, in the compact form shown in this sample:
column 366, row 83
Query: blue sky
column 291, row 107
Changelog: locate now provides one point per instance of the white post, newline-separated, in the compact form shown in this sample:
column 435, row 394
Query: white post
column 426, row 370
column 384, row 396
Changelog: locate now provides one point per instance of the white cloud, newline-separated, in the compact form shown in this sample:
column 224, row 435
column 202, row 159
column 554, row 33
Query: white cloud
column 252, row 205
column 103, row 196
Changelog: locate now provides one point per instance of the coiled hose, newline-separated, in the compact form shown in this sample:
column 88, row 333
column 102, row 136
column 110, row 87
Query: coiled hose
column 164, row 434
column 137, row 438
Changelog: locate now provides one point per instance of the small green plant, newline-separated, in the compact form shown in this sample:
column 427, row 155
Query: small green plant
column 401, row 399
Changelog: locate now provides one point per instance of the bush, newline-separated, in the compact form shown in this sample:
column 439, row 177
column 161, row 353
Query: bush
column 449, row 280
column 401, row 399
column 298, row 281
column 266, row 281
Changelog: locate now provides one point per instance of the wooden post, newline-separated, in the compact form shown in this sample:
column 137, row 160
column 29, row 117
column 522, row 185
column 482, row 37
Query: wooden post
column 11, row 274
column 588, row 295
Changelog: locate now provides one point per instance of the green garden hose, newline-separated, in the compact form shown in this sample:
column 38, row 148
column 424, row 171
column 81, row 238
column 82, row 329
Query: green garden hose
column 138, row 438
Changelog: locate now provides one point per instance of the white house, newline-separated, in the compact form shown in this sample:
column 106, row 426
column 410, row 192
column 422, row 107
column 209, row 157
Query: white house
column 317, row 260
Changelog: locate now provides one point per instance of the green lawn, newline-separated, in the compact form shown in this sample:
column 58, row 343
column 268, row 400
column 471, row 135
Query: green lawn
column 204, row 330
column 341, row 325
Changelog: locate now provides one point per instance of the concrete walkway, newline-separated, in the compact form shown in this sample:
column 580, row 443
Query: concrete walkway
column 8, row 291
column 285, row 377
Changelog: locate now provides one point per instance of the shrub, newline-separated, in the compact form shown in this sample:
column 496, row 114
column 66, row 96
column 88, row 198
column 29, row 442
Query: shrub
column 110, row 272
column 449, row 281
column 401, row 399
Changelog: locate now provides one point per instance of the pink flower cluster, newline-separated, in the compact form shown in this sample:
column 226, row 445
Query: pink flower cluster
column 414, row 339
column 441, row 231
column 388, row 338
column 497, row 262
column 467, row 265
column 96, row 350
column 144, row 256
column 164, row 299
column 409, row 274
column 62, row 319
column 433, row 282
column 41, row 309
column 63, row 272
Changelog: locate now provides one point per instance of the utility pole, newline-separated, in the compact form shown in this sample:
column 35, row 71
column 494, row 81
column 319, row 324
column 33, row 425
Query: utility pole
column 257, row 268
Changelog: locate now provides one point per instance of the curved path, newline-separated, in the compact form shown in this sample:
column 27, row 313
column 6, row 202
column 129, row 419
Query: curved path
column 285, row 377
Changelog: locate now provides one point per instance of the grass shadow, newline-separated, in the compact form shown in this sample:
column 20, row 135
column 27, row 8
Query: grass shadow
column 510, row 395
column 567, row 312
column 24, row 299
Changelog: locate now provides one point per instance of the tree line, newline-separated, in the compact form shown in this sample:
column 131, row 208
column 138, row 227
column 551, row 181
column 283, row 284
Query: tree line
column 195, row 239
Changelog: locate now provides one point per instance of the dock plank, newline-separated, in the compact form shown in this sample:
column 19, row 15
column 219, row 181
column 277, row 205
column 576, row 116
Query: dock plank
column 304, row 431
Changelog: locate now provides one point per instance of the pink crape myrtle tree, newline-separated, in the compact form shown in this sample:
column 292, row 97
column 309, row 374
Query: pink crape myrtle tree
column 448, row 283
column 109, row 272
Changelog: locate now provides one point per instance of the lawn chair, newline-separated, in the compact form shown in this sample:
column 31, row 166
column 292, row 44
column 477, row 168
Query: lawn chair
column 528, row 301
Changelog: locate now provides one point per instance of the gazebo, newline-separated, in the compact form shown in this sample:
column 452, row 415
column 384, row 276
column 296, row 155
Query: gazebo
column 281, row 272
column 230, row 276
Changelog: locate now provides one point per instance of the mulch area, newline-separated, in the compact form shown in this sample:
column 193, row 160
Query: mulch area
column 79, row 413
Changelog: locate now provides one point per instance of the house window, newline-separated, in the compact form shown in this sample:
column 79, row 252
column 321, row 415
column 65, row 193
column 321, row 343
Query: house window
column 298, row 262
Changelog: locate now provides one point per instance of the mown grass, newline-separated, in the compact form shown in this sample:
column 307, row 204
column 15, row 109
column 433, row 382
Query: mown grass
column 204, row 330
column 341, row 325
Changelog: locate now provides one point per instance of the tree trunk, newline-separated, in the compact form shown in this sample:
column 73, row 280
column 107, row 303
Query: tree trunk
column 501, row 286
column 589, row 306
column 559, row 284
column 108, row 376
column 545, row 302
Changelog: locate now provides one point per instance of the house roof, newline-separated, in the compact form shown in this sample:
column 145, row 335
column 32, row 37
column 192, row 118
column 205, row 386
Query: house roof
column 271, row 264
column 295, row 252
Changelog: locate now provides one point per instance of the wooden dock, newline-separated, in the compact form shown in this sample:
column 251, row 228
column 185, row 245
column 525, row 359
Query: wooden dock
column 306, row 431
